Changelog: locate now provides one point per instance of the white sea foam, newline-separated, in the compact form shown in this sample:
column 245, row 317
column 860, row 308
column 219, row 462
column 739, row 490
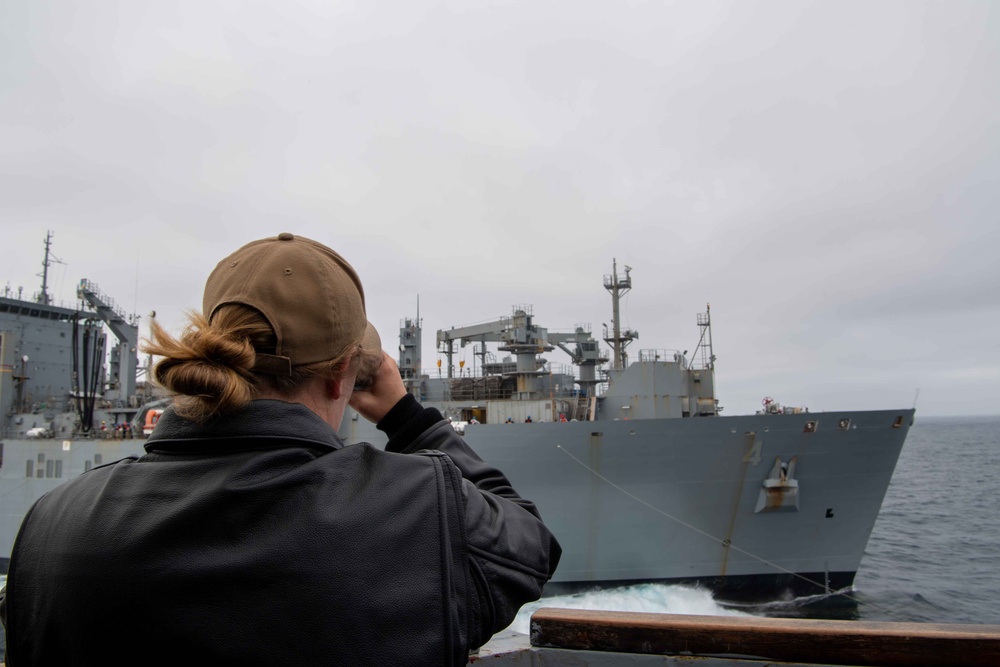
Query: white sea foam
column 655, row 598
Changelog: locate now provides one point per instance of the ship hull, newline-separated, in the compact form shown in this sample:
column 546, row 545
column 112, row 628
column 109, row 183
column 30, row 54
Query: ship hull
column 30, row 468
column 656, row 500
column 684, row 500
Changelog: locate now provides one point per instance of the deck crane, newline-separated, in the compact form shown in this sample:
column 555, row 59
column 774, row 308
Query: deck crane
column 518, row 334
column 124, row 359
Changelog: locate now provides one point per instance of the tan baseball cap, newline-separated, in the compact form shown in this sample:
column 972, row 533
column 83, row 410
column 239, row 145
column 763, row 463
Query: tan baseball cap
column 311, row 296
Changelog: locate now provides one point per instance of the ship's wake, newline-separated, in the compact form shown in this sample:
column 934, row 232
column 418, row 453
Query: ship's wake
column 654, row 598
column 838, row 605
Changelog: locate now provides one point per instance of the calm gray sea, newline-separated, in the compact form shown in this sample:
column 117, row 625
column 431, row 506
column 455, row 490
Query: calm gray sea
column 935, row 552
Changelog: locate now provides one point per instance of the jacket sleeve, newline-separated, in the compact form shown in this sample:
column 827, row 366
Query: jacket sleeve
column 511, row 552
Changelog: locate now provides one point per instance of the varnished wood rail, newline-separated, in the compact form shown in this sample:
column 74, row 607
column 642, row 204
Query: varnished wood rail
column 785, row 640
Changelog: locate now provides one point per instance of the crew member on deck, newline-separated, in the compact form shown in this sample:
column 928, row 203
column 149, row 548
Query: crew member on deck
column 249, row 534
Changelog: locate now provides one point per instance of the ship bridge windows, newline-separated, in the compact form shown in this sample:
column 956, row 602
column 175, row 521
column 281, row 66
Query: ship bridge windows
column 40, row 313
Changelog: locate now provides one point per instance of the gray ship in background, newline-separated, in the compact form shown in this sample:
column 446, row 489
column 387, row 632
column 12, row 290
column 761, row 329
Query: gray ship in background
column 68, row 393
column 638, row 475
column 630, row 464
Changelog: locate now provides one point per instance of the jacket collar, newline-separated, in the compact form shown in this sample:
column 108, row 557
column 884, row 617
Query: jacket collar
column 263, row 423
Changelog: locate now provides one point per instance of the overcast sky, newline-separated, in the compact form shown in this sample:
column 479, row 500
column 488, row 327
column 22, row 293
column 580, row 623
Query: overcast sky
column 825, row 174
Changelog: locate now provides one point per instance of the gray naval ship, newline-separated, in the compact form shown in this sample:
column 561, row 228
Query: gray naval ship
column 67, row 398
column 630, row 462
column 638, row 474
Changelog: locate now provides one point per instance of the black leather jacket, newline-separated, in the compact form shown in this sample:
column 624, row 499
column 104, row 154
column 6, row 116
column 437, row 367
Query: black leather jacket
column 261, row 539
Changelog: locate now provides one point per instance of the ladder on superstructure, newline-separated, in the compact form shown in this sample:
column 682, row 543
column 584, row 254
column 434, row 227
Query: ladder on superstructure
column 704, row 349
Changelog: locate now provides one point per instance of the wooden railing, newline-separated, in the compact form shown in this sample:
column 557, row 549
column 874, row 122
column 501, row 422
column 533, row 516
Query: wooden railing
column 578, row 637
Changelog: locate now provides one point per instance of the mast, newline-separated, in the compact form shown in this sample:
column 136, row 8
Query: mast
column 43, row 296
column 410, row 346
column 619, row 340
column 704, row 348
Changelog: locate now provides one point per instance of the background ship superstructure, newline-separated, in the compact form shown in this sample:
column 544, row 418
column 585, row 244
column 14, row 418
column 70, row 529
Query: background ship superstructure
column 67, row 385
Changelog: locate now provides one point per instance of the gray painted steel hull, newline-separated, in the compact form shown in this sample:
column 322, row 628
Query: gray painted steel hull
column 676, row 499
column 637, row 500
column 31, row 468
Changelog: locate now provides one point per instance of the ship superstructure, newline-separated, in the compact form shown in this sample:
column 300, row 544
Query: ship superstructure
column 68, row 396
column 522, row 384
column 57, row 373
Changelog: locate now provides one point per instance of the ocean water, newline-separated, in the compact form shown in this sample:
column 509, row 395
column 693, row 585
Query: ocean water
column 933, row 556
